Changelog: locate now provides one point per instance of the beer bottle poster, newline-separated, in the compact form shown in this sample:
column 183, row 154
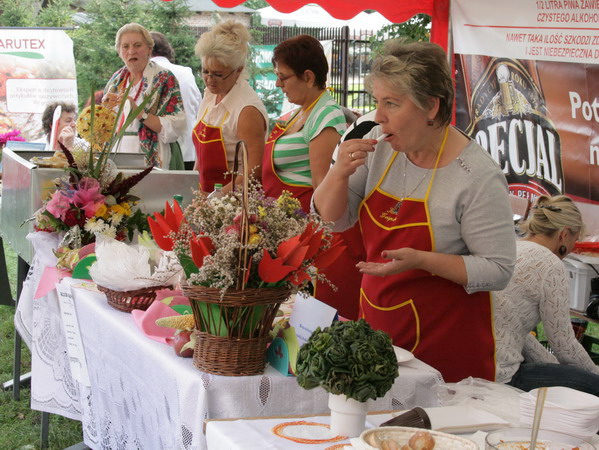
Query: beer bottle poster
column 37, row 67
column 527, row 88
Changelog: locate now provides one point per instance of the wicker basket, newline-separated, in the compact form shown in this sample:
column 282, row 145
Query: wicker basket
column 232, row 332
column 127, row 301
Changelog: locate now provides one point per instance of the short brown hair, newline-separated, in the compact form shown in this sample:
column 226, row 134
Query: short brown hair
column 303, row 53
column 162, row 46
column 419, row 70
column 48, row 114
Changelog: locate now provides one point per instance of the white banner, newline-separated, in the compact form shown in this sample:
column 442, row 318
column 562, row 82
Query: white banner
column 37, row 67
column 543, row 30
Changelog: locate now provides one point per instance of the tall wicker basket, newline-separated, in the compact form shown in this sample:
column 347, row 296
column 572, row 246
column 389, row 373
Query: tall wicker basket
column 232, row 332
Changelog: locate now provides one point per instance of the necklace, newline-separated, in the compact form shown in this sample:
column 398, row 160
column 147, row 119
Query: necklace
column 128, row 78
column 397, row 206
column 302, row 112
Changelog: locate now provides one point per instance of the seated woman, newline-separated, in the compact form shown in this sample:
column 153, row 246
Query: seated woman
column 538, row 292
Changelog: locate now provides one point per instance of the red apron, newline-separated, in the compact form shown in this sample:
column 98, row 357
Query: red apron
column 432, row 317
column 211, row 154
column 344, row 274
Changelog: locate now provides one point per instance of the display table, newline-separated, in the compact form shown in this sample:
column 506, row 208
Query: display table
column 141, row 395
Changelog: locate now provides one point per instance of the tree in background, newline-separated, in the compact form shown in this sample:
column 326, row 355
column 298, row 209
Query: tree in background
column 415, row 29
column 93, row 38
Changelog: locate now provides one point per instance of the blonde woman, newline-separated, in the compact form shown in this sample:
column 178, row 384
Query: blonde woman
column 230, row 111
column 155, row 131
column 538, row 292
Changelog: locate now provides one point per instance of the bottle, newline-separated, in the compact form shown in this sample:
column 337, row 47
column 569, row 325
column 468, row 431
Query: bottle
column 593, row 305
column 178, row 198
column 217, row 192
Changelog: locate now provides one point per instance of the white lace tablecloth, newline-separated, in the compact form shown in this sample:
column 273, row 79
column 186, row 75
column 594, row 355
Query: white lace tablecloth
column 143, row 396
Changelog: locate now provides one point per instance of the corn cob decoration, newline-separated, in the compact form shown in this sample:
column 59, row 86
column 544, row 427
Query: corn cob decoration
column 180, row 322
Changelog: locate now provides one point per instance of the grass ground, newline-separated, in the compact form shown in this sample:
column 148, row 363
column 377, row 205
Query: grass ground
column 19, row 425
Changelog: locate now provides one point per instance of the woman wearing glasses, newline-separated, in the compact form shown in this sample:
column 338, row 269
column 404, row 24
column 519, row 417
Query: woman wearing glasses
column 538, row 292
column 163, row 120
column 230, row 111
column 298, row 154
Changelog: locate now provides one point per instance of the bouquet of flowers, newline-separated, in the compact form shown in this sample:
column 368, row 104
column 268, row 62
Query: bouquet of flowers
column 92, row 196
column 348, row 358
column 274, row 243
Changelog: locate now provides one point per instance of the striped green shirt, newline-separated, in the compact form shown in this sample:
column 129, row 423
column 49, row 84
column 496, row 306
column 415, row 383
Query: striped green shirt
column 291, row 152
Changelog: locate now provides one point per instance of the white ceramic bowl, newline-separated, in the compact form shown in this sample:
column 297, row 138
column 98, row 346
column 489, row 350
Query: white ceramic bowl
column 519, row 438
column 401, row 435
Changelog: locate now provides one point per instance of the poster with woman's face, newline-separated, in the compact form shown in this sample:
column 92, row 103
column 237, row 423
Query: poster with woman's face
column 37, row 67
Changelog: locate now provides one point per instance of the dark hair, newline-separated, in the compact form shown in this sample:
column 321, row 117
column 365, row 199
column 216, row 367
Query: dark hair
column 418, row 69
column 303, row 53
column 162, row 47
column 48, row 114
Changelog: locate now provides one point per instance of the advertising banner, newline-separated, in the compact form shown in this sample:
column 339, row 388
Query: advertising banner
column 527, row 90
column 37, row 67
column 275, row 101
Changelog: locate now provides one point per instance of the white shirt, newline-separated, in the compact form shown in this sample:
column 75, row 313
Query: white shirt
column 226, row 113
column 537, row 292
column 191, row 102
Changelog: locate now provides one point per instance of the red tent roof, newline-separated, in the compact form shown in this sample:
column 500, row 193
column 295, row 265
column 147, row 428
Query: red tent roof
column 397, row 11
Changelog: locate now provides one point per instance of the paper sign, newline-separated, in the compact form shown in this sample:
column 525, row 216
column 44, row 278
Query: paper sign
column 308, row 314
column 72, row 333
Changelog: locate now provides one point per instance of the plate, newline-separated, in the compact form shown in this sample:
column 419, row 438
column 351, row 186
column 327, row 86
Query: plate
column 401, row 436
column 402, row 355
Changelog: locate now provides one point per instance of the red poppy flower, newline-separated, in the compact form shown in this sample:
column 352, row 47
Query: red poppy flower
column 272, row 270
column 161, row 227
column 201, row 246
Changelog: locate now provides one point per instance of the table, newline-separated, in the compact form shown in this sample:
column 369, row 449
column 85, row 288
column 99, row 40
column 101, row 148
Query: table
column 141, row 395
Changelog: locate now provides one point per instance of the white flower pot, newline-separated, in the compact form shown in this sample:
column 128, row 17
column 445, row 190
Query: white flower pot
column 348, row 416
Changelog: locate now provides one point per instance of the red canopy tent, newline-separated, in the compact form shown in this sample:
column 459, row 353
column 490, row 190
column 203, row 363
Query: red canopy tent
column 397, row 11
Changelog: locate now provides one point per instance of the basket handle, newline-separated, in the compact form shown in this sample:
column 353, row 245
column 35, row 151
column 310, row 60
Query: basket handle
column 244, row 226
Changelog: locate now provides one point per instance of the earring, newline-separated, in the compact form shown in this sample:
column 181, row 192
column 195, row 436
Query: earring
column 562, row 250
column 430, row 122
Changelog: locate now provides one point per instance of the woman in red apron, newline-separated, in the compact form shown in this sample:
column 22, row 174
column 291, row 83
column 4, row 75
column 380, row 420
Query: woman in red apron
column 434, row 215
column 230, row 111
column 298, row 154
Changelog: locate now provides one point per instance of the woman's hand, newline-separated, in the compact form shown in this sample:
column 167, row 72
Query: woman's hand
column 352, row 154
column 67, row 137
column 400, row 260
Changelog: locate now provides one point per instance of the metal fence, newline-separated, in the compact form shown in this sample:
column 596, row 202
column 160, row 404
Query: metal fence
column 351, row 59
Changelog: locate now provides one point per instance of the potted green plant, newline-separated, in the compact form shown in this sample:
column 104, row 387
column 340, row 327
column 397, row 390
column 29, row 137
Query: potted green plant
column 354, row 363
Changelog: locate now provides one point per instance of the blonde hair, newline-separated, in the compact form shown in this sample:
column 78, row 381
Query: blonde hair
column 419, row 70
column 133, row 28
column 227, row 43
column 552, row 214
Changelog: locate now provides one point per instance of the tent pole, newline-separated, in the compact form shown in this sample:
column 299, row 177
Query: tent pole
column 345, row 64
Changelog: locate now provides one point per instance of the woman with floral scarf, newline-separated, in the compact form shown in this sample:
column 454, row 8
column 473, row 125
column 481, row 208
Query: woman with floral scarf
column 156, row 129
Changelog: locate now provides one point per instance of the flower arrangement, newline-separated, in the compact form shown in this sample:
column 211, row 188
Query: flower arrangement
column 96, row 128
column 278, row 245
column 92, row 197
column 348, row 358
column 13, row 135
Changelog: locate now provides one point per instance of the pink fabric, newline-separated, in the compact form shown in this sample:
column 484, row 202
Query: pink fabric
column 50, row 277
column 146, row 320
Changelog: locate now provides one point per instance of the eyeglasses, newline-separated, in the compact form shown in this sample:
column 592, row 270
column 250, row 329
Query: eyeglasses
column 216, row 76
column 283, row 78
